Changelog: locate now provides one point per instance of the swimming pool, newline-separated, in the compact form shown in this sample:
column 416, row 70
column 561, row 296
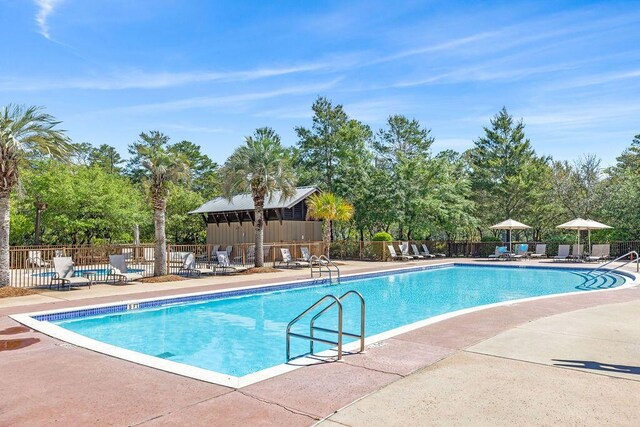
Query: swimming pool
column 242, row 332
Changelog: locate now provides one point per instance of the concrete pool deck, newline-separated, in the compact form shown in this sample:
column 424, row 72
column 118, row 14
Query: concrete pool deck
column 494, row 366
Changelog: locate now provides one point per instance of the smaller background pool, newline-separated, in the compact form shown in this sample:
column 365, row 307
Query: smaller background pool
column 98, row 271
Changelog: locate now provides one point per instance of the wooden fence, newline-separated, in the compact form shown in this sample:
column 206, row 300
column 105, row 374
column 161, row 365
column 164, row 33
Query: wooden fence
column 31, row 266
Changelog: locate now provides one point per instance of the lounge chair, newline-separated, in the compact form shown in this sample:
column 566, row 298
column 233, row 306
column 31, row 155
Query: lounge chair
column 500, row 253
column 65, row 274
column 404, row 250
column 577, row 252
column 416, row 252
column 394, row 254
column 563, row 253
column 599, row 253
column 190, row 267
column 35, row 259
column 287, row 259
column 521, row 252
column 541, row 251
column 228, row 250
column 225, row 265
column 250, row 256
column 426, row 252
column 118, row 270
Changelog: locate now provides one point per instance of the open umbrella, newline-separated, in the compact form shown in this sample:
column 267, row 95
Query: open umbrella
column 510, row 225
column 580, row 224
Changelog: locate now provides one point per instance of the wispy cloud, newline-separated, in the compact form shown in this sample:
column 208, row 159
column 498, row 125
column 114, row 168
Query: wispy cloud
column 238, row 100
column 136, row 79
column 45, row 9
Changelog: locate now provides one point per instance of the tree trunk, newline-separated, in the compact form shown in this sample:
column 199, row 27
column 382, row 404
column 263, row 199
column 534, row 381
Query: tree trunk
column 258, row 202
column 4, row 240
column 327, row 237
column 160, row 252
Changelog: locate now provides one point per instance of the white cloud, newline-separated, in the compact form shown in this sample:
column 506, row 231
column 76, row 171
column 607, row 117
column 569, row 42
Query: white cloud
column 239, row 100
column 136, row 79
column 45, row 9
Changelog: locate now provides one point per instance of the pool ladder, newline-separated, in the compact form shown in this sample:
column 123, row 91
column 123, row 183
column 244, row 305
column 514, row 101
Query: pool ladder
column 336, row 301
column 634, row 258
column 322, row 263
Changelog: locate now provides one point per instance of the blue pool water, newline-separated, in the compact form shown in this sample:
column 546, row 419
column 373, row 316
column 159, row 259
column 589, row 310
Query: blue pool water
column 244, row 334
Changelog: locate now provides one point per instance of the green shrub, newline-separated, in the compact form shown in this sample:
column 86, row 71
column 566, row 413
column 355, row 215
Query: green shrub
column 382, row 236
column 378, row 248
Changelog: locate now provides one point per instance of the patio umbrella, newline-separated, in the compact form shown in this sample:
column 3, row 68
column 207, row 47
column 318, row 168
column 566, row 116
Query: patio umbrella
column 580, row 224
column 510, row 225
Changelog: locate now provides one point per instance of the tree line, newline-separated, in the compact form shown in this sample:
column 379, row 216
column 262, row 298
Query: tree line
column 392, row 177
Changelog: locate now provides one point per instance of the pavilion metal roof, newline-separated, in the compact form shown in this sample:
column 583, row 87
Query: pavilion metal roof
column 244, row 202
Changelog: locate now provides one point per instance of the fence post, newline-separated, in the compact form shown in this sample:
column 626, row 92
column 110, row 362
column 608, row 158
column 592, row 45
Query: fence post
column 168, row 259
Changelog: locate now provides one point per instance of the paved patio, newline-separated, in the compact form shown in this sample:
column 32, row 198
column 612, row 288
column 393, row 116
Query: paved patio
column 494, row 366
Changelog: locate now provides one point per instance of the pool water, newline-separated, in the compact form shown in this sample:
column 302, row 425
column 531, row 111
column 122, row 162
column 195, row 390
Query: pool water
column 244, row 334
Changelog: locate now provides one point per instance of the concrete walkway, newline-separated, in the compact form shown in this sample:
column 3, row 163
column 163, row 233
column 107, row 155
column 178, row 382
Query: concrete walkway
column 575, row 368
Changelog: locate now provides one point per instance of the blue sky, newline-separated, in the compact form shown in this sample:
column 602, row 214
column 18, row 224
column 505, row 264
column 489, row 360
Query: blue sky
column 213, row 71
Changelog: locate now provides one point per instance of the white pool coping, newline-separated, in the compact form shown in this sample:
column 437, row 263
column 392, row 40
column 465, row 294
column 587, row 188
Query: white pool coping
column 206, row 375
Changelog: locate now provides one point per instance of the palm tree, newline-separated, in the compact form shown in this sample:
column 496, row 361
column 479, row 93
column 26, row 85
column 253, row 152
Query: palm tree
column 160, row 167
column 328, row 207
column 261, row 167
column 24, row 132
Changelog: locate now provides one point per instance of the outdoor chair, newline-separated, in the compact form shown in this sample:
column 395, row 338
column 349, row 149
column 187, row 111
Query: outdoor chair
column 225, row 265
column 35, row 259
column 521, row 252
column 249, row 258
column 119, row 272
column 500, row 253
column 577, row 252
column 563, row 253
column 65, row 274
column 599, row 253
column 404, row 250
column 416, row 252
column 394, row 254
column 190, row 267
column 426, row 252
column 287, row 259
column 541, row 251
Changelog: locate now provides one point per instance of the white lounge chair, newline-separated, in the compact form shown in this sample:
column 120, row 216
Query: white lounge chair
column 65, row 274
column 287, row 259
column 225, row 265
column 190, row 267
column 249, row 257
column 541, row 251
column 119, row 272
column 404, row 250
column 35, row 260
column 599, row 253
column 416, row 252
column 394, row 254
column 426, row 252
column 563, row 253
column 500, row 253
column 521, row 252
column 577, row 252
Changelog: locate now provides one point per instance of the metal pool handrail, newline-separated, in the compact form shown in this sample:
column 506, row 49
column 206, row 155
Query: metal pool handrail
column 637, row 261
column 313, row 328
column 323, row 261
column 312, row 338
